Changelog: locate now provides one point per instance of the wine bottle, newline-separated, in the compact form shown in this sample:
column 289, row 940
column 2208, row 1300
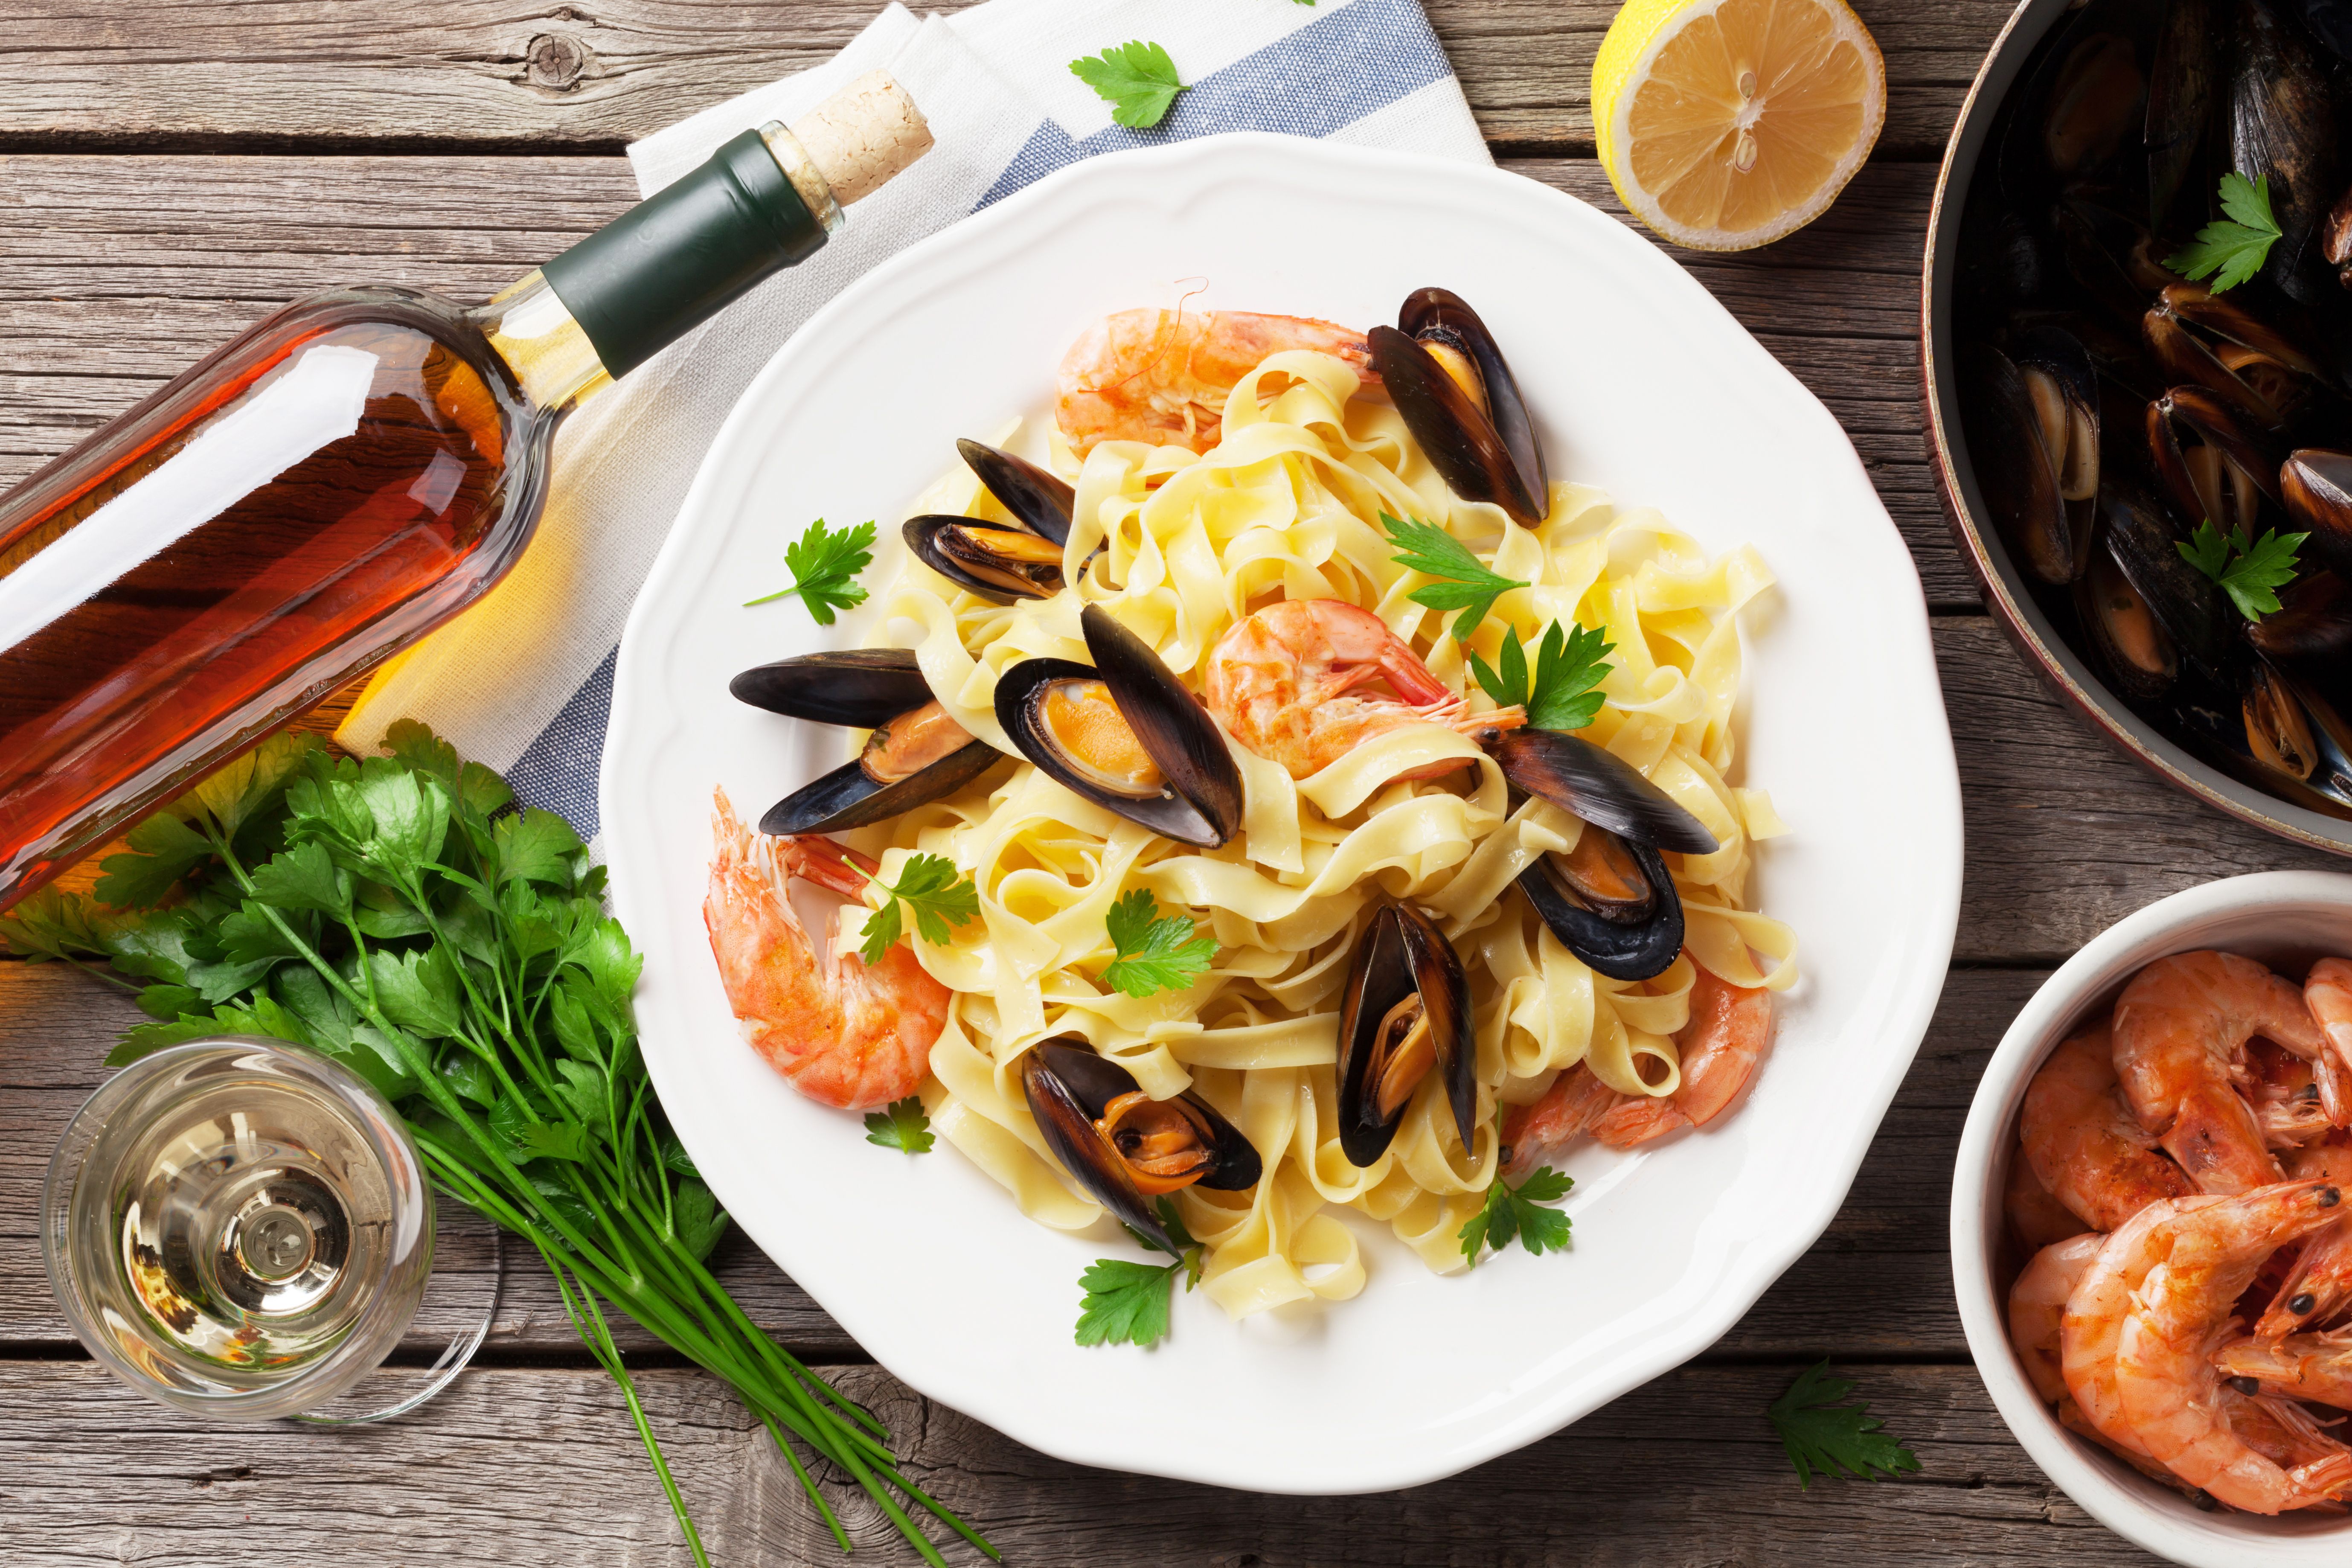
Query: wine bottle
column 345, row 475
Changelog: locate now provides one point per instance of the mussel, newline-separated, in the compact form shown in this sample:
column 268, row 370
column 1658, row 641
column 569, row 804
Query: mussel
column 2138, row 656
column 2295, row 736
column 1457, row 396
column 916, row 754
column 1125, row 734
column 2316, row 487
column 2213, row 468
column 1404, row 1018
column 2284, row 129
column 1609, row 900
column 2313, row 622
column 2063, row 389
column 1124, row 1147
column 2225, row 348
column 2144, row 543
column 997, row 562
column 2179, row 101
column 2021, row 482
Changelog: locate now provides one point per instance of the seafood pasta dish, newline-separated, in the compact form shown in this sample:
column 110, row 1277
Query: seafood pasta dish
column 1282, row 798
column 2178, row 1195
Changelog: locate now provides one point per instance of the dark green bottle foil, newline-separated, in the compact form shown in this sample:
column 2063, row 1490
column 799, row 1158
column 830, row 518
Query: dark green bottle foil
column 682, row 255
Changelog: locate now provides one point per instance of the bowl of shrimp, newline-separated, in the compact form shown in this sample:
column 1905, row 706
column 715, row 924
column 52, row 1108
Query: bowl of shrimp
column 2152, row 1224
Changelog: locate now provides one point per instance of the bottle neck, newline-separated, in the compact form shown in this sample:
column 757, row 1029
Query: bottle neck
column 541, row 341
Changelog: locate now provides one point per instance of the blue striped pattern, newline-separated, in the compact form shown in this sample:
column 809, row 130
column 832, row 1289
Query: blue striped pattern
column 1328, row 75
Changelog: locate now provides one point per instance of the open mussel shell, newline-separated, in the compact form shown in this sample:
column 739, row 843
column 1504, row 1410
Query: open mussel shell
column 1125, row 1148
column 849, row 796
column 1183, row 784
column 1611, row 902
column 1455, row 393
column 1404, row 1015
column 2313, row 620
column 2231, row 352
column 2296, row 737
column 999, row 563
column 857, row 689
column 1596, row 784
column 2020, row 481
column 2062, row 389
column 1038, row 500
column 2137, row 656
column 2222, row 470
column 2315, row 487
column 2145, row 543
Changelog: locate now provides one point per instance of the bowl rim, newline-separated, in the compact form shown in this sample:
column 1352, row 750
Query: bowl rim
column 2127, row 1503
column 1955, row 486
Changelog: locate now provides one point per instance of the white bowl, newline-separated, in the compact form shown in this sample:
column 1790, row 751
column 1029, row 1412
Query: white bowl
column 2284, row 918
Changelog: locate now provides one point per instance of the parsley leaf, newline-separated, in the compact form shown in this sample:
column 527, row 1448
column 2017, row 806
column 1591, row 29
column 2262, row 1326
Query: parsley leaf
column 1466, row 585
column 1569, row 665
column 901, row 1125
column 1161, row 954
column 1518, row 1211
column 931, row 886
column 1136, row 79
column 2248, row 571
column 2235, row 249
column 1825, row 1435
column 1127, row 1303
column 824, row 566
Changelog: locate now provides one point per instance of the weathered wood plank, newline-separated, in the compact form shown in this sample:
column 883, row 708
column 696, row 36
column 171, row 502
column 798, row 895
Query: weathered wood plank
column 520, row 1469
column 81, row 339
column 269, row 74
column 1876, row 1283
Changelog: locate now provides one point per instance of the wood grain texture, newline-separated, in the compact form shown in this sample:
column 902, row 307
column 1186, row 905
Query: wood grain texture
column 198, row 249
column 519, row 1469
column 597, row 73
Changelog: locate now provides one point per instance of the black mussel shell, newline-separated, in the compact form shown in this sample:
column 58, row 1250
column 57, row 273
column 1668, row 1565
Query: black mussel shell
column 1068, row 1086
column 848, row 798
column 2181, row 82
column 1589, row 782
column 2137, row 655
column 2012, row 467
column 1037, row 499
column 1483, row 454
column 2063, row 391
column 1201, row 804
column 2212, row 422
column 2296, row 736
column 860, row 688
column 2285, row 128
column 2316, row 487
column 2214, row 722
column 933, row 537
column 1621, row 949
column 1403, row 952
column 2146, row 542
column 2313, row 620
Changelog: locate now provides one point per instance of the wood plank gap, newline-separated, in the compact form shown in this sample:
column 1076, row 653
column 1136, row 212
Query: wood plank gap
column 294, row 144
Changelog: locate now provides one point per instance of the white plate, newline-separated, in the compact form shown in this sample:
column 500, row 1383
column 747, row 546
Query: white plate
column 1642, row 385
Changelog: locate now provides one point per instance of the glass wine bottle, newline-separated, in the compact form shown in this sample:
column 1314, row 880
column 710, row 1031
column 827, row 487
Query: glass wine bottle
column 345, row 475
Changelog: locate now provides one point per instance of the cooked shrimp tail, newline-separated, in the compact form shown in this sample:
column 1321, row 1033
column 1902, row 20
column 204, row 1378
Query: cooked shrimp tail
column 2180, row 1033
column 2037, row 1310
column 1730, row 1030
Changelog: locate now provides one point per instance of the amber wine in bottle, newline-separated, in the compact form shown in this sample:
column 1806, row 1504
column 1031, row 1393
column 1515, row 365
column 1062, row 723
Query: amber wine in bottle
column 344, row 476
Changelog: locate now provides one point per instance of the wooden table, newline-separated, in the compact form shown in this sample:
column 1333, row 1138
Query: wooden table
column 169, row 173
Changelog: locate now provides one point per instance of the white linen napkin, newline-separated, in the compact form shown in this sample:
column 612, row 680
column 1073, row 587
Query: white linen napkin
column 523, row 681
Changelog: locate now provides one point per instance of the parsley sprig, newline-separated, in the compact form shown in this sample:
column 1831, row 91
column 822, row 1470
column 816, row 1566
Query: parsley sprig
column 825, row 564
column 1127, row 1303
column 2234, row 248
column 1466, row 585
column 1823, row 1435
column 1570, row 665
column 2248, row 571
column 900, row 1124
column 939, row 896
column 1161, row 954
column 1519, row 1211
column 1137, row 79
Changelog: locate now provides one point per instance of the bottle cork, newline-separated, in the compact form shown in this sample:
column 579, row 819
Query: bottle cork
column 863, row 135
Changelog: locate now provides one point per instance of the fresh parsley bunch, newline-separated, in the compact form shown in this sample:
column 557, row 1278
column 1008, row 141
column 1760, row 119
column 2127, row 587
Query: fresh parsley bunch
column 400, row 917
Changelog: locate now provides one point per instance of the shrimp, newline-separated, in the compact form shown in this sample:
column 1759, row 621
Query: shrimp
column 1163, row 376
column 2319, row 1285
column 2328, row 992
column 1283, row 683
column 2317, row 1367
column 849, row 1036
column 2084, row 1142
column 2037, row 1308
column 2180, row 1034
column 2141, row 1327
column 1538, row 1134
column 1730, row 1030
column 2036, row 1218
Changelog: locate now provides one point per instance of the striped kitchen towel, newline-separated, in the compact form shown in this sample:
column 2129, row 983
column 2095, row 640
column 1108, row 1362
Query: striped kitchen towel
column 523, row 680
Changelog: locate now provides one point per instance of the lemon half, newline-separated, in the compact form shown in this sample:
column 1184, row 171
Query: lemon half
column 1728, row 123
